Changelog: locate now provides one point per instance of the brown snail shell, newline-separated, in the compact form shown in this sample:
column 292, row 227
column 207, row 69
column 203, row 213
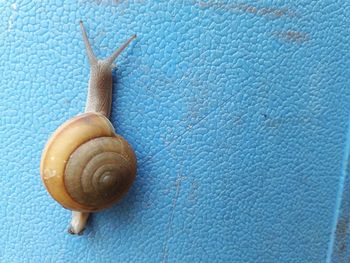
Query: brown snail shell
column 85, row 166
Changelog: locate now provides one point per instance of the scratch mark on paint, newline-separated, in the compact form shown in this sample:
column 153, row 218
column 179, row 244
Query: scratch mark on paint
column 171, row 218
column 199, row 121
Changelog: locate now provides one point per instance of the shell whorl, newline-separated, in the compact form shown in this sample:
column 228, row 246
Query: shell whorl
column 86, row 166
column 98, row 172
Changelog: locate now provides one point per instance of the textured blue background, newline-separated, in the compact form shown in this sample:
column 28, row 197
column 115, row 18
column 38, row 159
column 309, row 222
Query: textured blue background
column 238, row 112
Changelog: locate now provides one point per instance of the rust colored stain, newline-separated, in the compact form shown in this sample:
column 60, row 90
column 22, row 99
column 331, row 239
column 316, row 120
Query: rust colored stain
column 293, row 36
column 112, row 2
column 341, row 234
column 262, row 11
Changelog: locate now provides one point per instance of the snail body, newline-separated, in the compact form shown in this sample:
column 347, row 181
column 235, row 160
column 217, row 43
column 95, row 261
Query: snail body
column 85, row 165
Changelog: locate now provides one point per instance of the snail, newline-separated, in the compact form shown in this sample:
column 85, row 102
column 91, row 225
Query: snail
column 85, row 166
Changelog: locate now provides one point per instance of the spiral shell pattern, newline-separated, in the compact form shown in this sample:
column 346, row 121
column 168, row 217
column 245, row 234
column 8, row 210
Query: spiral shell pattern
column 85, row 166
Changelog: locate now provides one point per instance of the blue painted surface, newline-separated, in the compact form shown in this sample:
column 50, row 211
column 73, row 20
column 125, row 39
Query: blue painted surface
column 237, row 110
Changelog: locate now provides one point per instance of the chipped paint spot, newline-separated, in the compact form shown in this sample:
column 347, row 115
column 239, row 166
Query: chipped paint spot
column 12, row 17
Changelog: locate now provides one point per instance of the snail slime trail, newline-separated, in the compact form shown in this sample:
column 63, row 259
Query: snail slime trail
column 85, row 166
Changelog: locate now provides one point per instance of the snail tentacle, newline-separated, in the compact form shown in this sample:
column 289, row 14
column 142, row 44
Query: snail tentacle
column 116, row 53
column 99, row 98
column 90, row 53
